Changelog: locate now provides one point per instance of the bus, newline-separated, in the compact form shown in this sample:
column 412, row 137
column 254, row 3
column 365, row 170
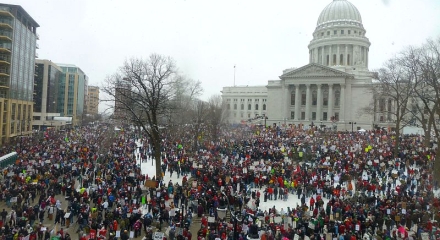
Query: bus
column 8, row 160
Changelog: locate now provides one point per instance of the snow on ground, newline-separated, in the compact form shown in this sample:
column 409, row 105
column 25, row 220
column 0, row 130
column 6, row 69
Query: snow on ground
column 148, row 167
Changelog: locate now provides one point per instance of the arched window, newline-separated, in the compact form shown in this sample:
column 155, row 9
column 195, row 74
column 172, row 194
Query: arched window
column 314, row 98
column 328, row 60
column 337, row 97
column 341, row 59
column 249, row 106
column 303, row 98
column 235, row 106
column 292, row 98
column 242, row 106
column 334, row 60
column 348, row 59
column 256, row 106
column 264, row 107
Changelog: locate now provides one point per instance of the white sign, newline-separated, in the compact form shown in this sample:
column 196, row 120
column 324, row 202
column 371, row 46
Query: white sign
column 158, row 235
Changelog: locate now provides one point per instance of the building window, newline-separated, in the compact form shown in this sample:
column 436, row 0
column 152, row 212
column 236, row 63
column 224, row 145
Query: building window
column 303, row 98
column 336, row 116
column 348, row 59
column 313, row 115
column 337, row 98
column 381, row 119
column 249, row 115
column 334, row 59
column 342, row 31
column 328, row 33
column 256, row 106
column 349, row 31
column 324, row 116
column 235, row 115
column 241, row 115
column 325, row 98
column 381, row 105
column 335, row 32
column 303, row 115
column 235, row 106
column 292, row 98
column 264, row 107
column 314, row 98
column 242, row 106
column 292, row 115
column 322, row 34
column 328, row 60
column 341, row 59
column 249, row 106
column 229, row 106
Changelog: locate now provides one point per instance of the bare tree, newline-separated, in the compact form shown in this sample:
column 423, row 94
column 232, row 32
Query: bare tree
column 393, row 92
column 143, row 90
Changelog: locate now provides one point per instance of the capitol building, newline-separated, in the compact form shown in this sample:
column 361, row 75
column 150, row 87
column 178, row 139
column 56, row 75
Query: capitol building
column 333, row 89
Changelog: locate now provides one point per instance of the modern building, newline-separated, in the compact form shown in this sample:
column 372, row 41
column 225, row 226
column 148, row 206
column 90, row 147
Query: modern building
column 92, row 100
column 71, row 99
column 331, row 90
column 18, row 44
column 122, row 96
column 46, row 92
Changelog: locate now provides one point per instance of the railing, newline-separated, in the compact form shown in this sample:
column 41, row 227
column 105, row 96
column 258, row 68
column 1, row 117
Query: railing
column 4, row 57
column 4, row 70
column 7, row 21
column 7, row 34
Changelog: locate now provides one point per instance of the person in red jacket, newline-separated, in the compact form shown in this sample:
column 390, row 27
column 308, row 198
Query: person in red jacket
column 312, row 203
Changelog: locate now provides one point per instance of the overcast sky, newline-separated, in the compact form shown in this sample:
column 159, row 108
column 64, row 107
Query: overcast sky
column 207, row 38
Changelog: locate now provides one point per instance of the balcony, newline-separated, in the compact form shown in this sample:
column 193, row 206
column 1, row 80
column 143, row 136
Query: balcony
column 5, row 12
column 4, row 71
column 5, row 36
column 5, row 59
column 4, row 82
column 5, row 23
column 5, row 48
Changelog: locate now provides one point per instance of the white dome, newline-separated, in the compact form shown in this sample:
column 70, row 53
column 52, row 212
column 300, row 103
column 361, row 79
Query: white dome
column 339, row 10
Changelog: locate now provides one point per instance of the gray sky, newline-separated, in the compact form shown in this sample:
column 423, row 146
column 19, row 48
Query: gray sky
column 207, row 38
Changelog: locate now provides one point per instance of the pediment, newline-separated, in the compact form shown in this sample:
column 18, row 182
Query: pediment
column 315, row 70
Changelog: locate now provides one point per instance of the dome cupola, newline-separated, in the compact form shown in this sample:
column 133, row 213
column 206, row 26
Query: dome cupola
column 339, row 38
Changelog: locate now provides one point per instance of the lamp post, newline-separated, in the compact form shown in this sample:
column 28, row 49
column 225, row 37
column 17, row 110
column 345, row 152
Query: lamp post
column 222, row 210
column 352, row 123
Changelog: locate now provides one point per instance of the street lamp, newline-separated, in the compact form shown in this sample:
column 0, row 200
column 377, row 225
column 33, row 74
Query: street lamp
column 221, row 212
column 352, row 123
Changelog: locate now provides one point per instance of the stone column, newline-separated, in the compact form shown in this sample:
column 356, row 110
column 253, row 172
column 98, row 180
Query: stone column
column 338, row 56
column 322, row 55
column 346, row 55
column 297, row 102
column 308, row 101
column 342, row 103
column 316, row 55
column 330, row 101
column 319, row 103
column 330, row 56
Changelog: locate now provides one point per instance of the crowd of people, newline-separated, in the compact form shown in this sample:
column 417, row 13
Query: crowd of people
column 272, row 183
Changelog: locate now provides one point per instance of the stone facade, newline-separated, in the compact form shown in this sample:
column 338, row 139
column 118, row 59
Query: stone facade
column 333, row 90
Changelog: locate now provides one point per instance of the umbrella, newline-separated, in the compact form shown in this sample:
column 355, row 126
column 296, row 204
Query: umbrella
column 362, row 130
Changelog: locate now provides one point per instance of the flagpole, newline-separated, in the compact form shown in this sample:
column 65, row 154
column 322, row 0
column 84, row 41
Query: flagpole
column 234, row 75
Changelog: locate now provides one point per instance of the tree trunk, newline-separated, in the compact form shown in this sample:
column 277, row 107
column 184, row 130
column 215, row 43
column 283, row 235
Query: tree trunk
column 436, row 167
column 157, row 158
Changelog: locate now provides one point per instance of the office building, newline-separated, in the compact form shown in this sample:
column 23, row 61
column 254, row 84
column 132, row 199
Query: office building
column 92, row 101
column 71, row 100
column 18, row 44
